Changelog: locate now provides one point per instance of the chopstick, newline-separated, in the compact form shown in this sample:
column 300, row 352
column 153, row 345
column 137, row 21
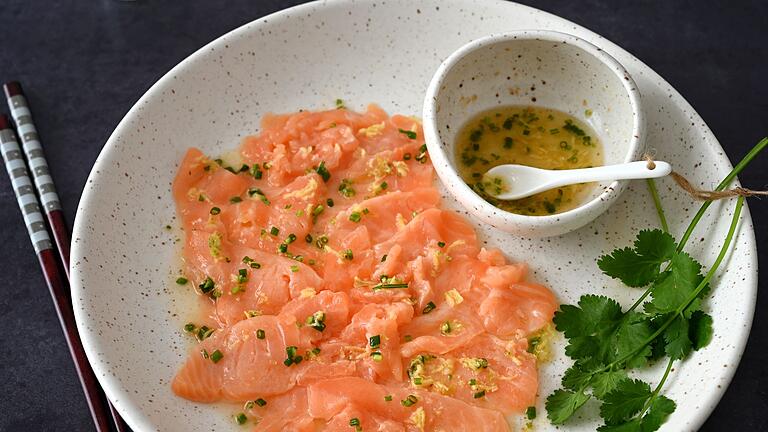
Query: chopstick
column 30, row 207
column 33, row 150
column 25, row 195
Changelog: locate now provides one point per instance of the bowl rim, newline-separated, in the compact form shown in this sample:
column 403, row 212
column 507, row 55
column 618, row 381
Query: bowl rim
column 473, row 202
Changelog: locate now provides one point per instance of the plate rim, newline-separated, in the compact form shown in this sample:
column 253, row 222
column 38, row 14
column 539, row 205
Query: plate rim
column 111, row 384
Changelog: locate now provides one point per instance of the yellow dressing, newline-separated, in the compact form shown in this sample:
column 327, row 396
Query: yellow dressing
column 532, row 136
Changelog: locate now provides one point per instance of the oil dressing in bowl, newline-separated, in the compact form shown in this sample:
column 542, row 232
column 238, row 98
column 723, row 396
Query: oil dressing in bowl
column 533, row 136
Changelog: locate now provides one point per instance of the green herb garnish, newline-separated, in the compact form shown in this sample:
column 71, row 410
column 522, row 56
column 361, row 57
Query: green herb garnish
column 409, row 134
column 216, row 356
column 606, row 342
column 323, row 172
column 428, row 308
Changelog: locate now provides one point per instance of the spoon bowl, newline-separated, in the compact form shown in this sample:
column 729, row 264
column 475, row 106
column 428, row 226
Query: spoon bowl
column 520, row 181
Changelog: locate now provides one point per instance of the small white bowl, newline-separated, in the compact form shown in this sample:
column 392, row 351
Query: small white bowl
column 539, row 68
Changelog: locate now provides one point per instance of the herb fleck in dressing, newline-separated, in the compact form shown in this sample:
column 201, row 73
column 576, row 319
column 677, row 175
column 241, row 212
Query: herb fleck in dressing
column 532, row 136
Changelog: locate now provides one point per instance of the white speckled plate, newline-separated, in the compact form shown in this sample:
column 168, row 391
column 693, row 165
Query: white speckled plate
column 129, row 311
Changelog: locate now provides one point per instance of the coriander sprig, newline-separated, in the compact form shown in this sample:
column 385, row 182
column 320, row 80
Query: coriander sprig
column 607, row 342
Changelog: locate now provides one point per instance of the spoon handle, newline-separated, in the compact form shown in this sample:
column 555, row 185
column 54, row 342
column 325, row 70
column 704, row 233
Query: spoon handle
column 627, row 171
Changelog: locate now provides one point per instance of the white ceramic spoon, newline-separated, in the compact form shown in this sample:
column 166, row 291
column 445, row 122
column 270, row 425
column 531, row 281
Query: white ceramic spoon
column 520, row 181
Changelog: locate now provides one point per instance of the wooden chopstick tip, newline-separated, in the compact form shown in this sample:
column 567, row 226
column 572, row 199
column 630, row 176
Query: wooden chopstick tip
column 12, row 88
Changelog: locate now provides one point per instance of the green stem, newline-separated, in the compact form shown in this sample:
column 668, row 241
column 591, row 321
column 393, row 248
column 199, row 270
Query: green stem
column 657, row 203
column 723, row 184
column 664, row 226
column 658, row 387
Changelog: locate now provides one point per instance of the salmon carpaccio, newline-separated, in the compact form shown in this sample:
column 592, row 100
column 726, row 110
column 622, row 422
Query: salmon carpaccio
column 338, row 289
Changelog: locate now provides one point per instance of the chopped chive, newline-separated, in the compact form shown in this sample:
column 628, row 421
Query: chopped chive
column 389, row 286
column 355, row 217
column 241, row 418
column 347, row 255
column 508, row 142
column 376, row 356
column 409, row 401
column 242, row 276
column 354, row 421
column 384, row 258
column 308, row 238
column 441, row 244
column 315, row 351
column 235, row 199
column 339, row 104
column 533, row 343
column 282, row 248
column 274, row 231
column 236, row 289
column 182, row 281
column 216, row 356
column 291, row 238
column 316, row 321
column 201, row 197
column 204, row 333
column 207, row 285
column 409, row 134
column 407, row 338
column 317, row 211
column 530, row 412
column 375, row 341
column 261, row 334
column 215, row 210
column 407, row 156
column 294, row 268
column 329, row 202
column 428, row 308
column 323, row 172
column 204, row 353
column 383, row 185
column 388, row 398
column 260, row 402
column 479, row 394
column 189, row 327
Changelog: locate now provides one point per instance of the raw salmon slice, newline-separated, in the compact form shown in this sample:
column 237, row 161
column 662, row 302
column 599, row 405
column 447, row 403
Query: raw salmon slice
column 336, row 287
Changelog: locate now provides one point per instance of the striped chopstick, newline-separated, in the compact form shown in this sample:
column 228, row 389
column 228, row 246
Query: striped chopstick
column 57, row 285
column 33, row 150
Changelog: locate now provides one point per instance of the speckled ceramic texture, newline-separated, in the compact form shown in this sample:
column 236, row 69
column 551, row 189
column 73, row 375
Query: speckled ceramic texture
column 130, row 312
column 537, row 68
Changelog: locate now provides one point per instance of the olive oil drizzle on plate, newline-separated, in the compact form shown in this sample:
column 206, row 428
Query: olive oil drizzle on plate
column 533, row 136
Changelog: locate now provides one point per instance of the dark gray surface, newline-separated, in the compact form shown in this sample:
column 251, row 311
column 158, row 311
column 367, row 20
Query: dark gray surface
column 85, row 63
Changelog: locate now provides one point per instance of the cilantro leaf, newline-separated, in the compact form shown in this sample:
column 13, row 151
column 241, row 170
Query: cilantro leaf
column 639, row 266
column 631, row 334
column 655, row 244
column 678, row 343
column 576, row 378
column 563, row 403
column 605, row 382
column 626, row 400
column 700, row 330
column 660, row 409
column 675, row 285
column 630, row 426
column 592, row 314
column 589, row 327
